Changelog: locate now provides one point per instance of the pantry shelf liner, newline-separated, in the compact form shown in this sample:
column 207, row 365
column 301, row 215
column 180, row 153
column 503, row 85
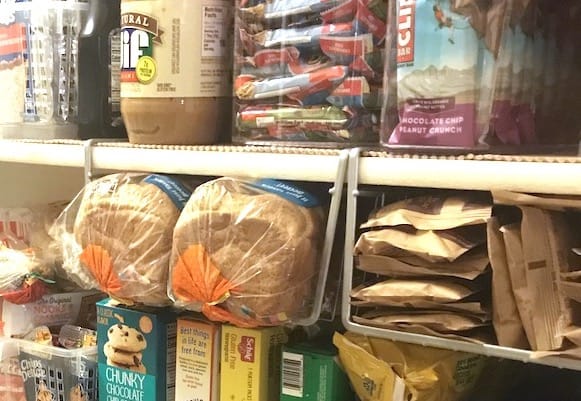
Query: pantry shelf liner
column 324, row 152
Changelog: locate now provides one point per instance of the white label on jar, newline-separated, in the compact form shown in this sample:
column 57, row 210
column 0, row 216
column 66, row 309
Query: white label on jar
column 175, row 48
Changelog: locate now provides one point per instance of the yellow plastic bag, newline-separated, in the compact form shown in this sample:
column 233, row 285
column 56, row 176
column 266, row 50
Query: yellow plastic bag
column 429, row 374
column 371, row 378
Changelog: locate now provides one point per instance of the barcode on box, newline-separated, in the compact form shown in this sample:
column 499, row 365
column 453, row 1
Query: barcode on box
column 292, row 374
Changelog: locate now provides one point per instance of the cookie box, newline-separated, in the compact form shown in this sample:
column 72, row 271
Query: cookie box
column 250, row 363
column 137, row 352
column 40, row 98
column 53, row 310
column 198, row 360
column 56, row 374
column 311, row 373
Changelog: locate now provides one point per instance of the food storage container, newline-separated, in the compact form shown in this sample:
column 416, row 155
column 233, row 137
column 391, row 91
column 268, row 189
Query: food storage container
column 39, row 67
column 58, row 374
column 309, row 71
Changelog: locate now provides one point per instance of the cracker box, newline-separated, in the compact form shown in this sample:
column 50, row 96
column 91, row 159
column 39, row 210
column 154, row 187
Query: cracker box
column 198, row 360
column 137, row 352
column 311, row 373
column 250, row 368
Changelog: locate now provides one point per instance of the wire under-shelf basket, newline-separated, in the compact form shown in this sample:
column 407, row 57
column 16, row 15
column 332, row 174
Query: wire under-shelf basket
column 380, row 196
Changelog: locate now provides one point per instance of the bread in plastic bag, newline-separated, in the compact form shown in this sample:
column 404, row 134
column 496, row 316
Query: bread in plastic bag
column 19, row 281
column 116, row 235
column 26, row 263
column 247, row 252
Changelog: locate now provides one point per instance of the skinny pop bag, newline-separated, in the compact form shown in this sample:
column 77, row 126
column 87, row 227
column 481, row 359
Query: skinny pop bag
column 479, row 309
column 399, row 292
column 506, row 318
column 432, row 246
column 439, row 321
column 469, row 266
column 431, row 213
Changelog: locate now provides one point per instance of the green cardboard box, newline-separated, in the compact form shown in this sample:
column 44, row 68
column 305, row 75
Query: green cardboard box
column 310, row 372
column 137, row 352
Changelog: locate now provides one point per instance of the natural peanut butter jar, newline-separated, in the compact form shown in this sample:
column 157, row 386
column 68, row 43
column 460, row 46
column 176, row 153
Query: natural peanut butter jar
column 176, row 70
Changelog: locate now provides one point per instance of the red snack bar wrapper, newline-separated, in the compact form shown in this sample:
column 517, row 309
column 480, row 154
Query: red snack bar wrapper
column 305, row 37
column 356, row 92
column 281, row 62
column 305, row 88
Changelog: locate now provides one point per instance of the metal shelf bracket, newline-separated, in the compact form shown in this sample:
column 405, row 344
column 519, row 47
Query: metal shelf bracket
column 88, row 146
column 336, row 193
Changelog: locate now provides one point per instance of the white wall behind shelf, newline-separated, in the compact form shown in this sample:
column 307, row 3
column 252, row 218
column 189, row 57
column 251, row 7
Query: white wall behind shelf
column 23, row 185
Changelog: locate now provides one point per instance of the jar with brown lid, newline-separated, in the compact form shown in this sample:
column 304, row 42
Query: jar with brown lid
column 176, row 70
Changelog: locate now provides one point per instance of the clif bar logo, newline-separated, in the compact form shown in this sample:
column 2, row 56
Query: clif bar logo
column 246, row 349
column 406, row 26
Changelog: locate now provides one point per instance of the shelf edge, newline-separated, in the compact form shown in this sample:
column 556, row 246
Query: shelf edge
column 321, row 168
column 550, row 178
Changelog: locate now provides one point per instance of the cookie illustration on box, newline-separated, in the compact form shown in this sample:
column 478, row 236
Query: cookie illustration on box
column 124, row 348
column 77, row 394
column 43, row 393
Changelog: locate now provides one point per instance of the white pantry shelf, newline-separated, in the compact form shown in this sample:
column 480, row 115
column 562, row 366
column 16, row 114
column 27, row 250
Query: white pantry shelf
column 299, row 164
column 290, row 164
column 542, row 175
column 62, row 153
column 556, row 177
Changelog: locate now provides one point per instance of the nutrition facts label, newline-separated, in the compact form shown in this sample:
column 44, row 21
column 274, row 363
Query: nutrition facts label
column 215, row 22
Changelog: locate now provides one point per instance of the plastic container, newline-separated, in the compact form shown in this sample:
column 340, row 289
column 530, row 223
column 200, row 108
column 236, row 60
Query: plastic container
column 11, row 384
column 38, row 68
column 309, row 72
column 58, row 374
column 175, row 82
column 482, row 76
column 99, row 63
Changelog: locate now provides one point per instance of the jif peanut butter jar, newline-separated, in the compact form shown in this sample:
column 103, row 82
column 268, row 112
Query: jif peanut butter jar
column 176, row 70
